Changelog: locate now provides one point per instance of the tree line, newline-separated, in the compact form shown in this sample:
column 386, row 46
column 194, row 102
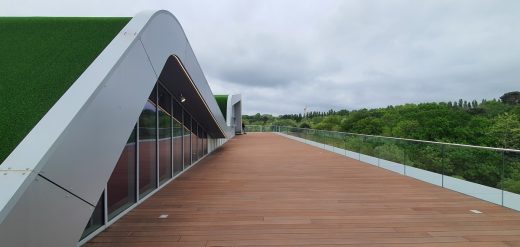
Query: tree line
column 493, row 122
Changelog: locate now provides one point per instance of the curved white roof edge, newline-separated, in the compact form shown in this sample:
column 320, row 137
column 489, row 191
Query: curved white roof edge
column 51, row 182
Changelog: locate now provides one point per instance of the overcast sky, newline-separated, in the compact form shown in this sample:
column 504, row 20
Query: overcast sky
column 284, row 55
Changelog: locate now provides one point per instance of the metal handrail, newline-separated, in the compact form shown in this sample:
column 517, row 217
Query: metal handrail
column 406, row 139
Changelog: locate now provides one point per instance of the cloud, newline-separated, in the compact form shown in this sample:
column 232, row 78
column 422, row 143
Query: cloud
column 285, row 55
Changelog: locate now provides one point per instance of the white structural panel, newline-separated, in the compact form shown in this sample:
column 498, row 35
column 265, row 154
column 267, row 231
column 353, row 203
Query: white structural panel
column 51, row 182
column 234, row 113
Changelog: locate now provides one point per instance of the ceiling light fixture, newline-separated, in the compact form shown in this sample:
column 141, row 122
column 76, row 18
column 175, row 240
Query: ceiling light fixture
column 183, row 99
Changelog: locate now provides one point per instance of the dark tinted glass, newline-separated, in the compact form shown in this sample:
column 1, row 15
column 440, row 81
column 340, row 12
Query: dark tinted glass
column 97, row 219
column 153, row 95
column 177, row 111
column 194, row 141
column 165, row 146
column 147, row 149
column 200, row 142
column 121, row 185
column 177, row 146
column 187, row 140
column 165, row 100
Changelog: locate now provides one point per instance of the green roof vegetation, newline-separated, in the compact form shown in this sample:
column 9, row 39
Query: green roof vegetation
column 40, row 59
column 222, row 103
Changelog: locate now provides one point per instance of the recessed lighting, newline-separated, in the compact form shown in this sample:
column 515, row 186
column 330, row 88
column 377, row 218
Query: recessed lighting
column 475, row 211
column 163, row 216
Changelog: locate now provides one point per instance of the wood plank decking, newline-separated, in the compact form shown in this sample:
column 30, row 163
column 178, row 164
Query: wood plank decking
column 262, row 189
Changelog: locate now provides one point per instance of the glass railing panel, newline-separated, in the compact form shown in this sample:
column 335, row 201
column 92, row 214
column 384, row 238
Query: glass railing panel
column 339, row 143
column 424, row 161
column 353, row 145
column 474, row 171
column 391, row 154
column 511, row 180
column 367, row 150
column 491, row 174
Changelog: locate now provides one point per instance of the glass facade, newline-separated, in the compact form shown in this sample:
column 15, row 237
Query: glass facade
column 97, row 219
column 147, row 149
column 177, row 130
column 186, row 138
column 121, row 187
column 194, row 141
column 165, row 135
column 165, row 141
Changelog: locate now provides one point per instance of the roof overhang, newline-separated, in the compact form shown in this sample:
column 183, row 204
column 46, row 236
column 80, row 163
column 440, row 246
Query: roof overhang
column 177, row 80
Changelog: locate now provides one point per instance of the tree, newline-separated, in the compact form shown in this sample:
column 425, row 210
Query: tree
column 305, row 125
column 506, row 131
column 511, row 98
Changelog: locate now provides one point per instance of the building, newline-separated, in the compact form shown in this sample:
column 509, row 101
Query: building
column 114, row 109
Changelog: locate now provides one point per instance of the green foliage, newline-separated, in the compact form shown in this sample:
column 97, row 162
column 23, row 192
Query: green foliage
column 329, row 123
column 511, row 98
column 258, row 119
column 391, row 152
column 285, row 122
column 222, row 104
column 505, row 131
column 41, row 58
column 305, row 125
column 489, row 123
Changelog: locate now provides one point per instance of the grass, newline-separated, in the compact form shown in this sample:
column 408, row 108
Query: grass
column 222, row 103
column 40, row 58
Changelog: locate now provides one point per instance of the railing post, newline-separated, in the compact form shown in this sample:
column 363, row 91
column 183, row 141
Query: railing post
column 345, row 144
column 359, row 150
column 443, row 171
column 404, row 160
column 502, row 175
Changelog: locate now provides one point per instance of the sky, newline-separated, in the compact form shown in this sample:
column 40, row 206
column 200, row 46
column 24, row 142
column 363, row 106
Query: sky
column 283, row 56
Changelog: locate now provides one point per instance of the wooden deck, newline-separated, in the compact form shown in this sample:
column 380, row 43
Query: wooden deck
column 262, row 189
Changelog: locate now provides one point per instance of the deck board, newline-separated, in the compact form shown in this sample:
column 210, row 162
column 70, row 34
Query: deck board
column 262, row 189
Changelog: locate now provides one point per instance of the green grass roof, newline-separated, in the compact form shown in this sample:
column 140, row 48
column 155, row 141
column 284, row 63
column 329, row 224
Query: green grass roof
column 40, row 58
column 222, row 103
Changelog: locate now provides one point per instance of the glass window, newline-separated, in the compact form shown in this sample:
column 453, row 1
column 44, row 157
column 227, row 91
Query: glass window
column 121, row 185
column 200, row 144
column 147, row 149
column 177, row 138
column 177, row 146
column 187, row 140
column 165, row 136
column 205, row 147
column 153, row 95
column 165, row 99
column 97, row 219
column 194, row 143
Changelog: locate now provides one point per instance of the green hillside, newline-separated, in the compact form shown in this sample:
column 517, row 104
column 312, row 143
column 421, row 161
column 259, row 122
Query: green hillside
column 40, row 59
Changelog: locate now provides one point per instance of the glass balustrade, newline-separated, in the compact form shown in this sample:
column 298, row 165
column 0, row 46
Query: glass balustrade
column 491, row 174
